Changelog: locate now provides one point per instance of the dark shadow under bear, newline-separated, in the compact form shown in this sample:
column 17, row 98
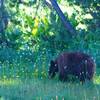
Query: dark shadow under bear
column 77, row 64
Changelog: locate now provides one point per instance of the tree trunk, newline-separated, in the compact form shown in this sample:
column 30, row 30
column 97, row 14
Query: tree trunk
column 65, row 21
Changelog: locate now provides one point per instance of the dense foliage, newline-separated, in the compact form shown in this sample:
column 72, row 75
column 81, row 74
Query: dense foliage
column 33, row 34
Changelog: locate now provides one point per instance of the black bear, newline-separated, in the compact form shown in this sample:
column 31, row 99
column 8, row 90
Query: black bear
column 77, row 64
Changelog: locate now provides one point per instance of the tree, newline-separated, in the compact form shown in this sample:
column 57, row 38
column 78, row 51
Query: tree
column 3, row 21
column 65, row 21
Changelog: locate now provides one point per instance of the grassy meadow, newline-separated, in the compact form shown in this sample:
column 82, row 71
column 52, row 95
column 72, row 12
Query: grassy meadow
column 45, row 89
column 24, row 78
column 34, row 32
column 37, row 86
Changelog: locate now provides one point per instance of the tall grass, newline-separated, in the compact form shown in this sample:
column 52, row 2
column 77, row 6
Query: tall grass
column 45, row 89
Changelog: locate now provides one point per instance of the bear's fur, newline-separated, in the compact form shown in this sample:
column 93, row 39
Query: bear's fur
column 77, row 64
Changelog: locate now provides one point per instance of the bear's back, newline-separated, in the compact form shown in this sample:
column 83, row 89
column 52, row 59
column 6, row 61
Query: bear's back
column 73, row 62
column 72, row 57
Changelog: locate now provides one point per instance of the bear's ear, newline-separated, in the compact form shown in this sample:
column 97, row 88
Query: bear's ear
column 52, row 62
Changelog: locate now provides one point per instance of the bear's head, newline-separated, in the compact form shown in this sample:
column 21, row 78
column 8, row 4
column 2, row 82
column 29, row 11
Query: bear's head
column 52, row 69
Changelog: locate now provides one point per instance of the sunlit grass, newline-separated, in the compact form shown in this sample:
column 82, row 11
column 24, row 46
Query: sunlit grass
column 97, row 80
column 10, row 81
column 37, row 88
column 45, row 89
column 16, row 84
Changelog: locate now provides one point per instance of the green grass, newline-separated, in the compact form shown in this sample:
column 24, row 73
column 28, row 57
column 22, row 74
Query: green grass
column 45, row 89
column 21, row 80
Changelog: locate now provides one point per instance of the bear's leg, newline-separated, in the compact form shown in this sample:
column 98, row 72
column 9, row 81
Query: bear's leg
column 62, row 77
column 52, row 75
column 82, row 77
